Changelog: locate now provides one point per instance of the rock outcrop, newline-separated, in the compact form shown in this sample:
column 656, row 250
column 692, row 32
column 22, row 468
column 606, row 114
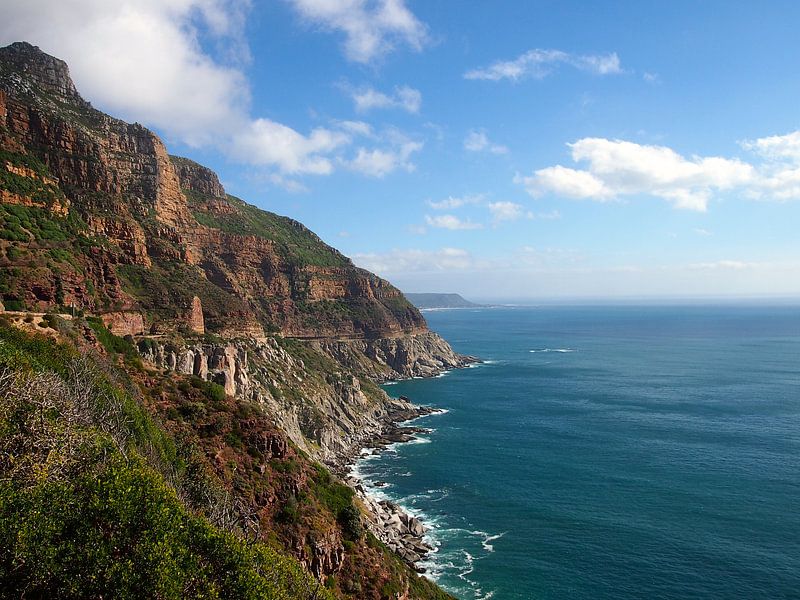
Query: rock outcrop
column 423, row 354
column 328, row 414
column 124, row 323
column 194, row 320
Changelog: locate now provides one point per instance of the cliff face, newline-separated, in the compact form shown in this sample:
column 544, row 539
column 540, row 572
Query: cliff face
column 256, row 345
column 325, row 410
column 96, row 215
column 157, row 230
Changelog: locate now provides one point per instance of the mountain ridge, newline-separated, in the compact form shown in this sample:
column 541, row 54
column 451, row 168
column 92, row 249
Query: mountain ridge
column 156, row 209
column 239, row 330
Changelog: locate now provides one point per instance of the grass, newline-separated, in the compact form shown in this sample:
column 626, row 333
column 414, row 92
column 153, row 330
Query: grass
column 298, row 245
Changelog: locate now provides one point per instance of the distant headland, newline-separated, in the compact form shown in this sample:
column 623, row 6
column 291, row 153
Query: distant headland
column 429, row 301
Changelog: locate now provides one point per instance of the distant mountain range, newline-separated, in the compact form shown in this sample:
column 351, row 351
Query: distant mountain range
column 424, row 301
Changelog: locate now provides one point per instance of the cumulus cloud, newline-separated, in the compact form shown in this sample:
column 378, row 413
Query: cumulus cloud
column 500, row 212
column 372, row 28
column 143, row 59
column 776, row 147
column 149, row 61
column 266, row 142
column 507, row 211
column 452, row 202
column 357, row 128
column 478, row 141
column 413, row 260
column 379, row 162
column 404, row 97
column 619, row 168
column 451, row 222
column 539, row 63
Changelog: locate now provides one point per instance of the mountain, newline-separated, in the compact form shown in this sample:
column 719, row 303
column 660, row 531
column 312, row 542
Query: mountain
column 168, row 228
column 248, row 349
column 424, row 301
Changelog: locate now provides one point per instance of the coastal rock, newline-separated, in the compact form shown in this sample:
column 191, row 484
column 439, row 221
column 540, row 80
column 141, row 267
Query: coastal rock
column 330, row 418
column 423, row 354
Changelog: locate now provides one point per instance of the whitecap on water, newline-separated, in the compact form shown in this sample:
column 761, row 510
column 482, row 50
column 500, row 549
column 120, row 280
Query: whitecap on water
column 559, row 350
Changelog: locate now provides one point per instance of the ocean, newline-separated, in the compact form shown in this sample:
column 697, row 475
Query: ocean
column 609, row 452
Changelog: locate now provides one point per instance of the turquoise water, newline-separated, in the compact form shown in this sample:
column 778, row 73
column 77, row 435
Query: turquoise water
column 613, row 452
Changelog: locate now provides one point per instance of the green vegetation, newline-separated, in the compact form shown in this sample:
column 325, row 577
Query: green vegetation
column 113, row 343
column 29, row 223
column 36, row 188
column 295, row 242
column 167, row 289
column 338, row 498
column 85, row 507
column 212, row 391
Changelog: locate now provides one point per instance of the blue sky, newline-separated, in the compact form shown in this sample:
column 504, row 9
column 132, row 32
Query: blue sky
column 498, row 149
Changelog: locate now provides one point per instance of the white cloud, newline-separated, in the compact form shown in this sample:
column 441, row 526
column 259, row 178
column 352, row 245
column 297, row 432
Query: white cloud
column 776, row 147
column 780, row 176
column 540, row 63
column 478, row 141
column 413, row 260
column 372, row 28
column 500, row 211
column 358, row 128
column 551, row 215
column 266, row 142
column 450, row 222
column 703, row 232
column 404, row 97
column 379, row 162
column 734, row 265
column 506, row 211
column 143, row 60
column 147, row 61
column 452, row 202
column 567, row 182
column 620, row 168
column 290, row 185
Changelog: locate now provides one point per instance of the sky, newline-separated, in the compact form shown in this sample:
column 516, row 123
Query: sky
column 508, row 149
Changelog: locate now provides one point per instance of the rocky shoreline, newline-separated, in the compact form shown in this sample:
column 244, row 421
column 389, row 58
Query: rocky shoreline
column 402, row 533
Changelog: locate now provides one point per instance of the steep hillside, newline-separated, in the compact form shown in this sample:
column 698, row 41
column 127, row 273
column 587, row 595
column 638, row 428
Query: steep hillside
column 247, row 348
column 97, row 217
column 121, row 481
column 109, row 222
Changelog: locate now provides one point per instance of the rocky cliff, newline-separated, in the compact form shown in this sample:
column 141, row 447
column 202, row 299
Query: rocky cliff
column 256, row 345
column 325, row 410
column 96, row 216
column 155, row 230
